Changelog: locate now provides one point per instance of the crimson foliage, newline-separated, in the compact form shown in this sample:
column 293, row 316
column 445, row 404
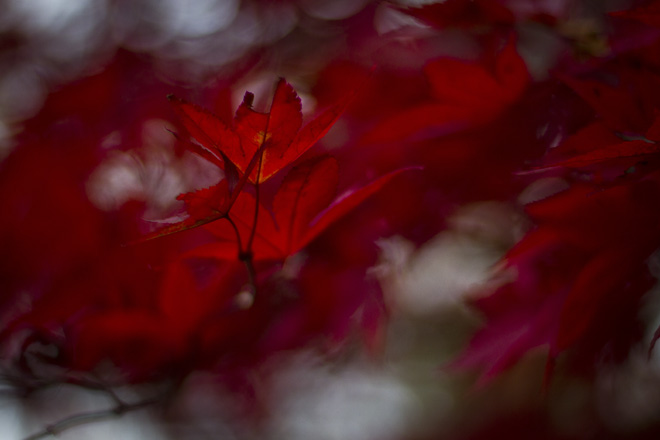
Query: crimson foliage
column 266, row 240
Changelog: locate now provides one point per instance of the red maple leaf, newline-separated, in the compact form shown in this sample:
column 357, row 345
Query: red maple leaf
column 256, row 144
column 259, row 143
column 201, row 207
column 303, row 207
column 463, row 94
column 577, row 271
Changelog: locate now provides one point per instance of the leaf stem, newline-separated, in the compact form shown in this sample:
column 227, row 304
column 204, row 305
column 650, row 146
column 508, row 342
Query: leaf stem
column 237, row 233
column 245, row 255
column 253, row 231
column 252, row 273
column 243, row 180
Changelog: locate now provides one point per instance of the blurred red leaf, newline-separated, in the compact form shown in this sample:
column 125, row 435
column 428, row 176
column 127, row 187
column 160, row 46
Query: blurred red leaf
column 464, row 94
column 625, row 102
column 306, row 190
column 637, row 148
column 600, row 148
column 603, row 275
column 581, row 268
column 648, row 14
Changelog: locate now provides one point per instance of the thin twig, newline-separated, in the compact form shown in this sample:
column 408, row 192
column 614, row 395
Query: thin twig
column 90, row 417
column 33, row 384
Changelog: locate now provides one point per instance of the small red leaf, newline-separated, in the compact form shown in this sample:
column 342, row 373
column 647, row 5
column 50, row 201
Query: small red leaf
column 208, row 129
column 284, row 123
column 205, row 203
column 313, row 131
column 274, row 130
column 202, row 206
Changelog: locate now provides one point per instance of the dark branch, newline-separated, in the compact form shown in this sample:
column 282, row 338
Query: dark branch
column 91, row 417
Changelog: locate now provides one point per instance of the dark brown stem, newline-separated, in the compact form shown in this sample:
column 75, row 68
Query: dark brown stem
column 91, row 417
column 246, row 258
column 245, row 255
column 238, row 235
column 253, row 231
column 241, row 183
column 28, row 385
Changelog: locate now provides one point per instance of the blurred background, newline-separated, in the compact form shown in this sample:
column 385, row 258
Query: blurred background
column 212, row 51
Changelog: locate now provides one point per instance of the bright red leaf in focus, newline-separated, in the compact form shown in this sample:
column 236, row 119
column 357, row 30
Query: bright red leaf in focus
column 303, row 207
column 279, row 133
